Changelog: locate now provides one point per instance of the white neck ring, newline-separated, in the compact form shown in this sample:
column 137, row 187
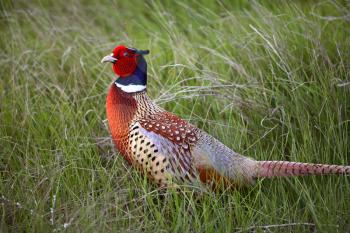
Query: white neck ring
column 131, row 88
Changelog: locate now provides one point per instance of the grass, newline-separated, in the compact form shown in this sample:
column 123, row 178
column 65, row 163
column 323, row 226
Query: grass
column 270, row 80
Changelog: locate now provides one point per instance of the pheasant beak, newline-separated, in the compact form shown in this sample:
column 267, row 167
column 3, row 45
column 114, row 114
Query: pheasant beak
column 109, row 58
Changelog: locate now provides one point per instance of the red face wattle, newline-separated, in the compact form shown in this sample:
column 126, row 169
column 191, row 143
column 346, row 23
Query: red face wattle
column 126, row 61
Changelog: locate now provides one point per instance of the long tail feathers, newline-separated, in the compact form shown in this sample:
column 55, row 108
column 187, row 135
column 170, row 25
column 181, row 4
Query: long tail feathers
column 286, row 168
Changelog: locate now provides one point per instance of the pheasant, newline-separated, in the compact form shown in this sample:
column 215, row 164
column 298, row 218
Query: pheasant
column 168, row 149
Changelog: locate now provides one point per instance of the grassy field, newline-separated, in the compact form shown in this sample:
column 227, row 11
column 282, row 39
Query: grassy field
column 269, row 80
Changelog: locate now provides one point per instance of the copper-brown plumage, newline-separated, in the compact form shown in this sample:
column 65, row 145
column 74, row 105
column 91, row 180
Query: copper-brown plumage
column 171, row 150
column 120, row 109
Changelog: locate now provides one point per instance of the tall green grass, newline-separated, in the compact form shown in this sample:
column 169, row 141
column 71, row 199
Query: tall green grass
column 270, row 80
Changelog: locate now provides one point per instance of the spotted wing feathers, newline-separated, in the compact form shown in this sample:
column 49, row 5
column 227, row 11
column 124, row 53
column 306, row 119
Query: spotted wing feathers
column 171, row 139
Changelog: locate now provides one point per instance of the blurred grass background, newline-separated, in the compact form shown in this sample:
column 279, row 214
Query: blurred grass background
column 269, row 79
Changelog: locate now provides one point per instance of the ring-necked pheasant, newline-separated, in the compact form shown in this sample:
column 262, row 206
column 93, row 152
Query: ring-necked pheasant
column 169, row 149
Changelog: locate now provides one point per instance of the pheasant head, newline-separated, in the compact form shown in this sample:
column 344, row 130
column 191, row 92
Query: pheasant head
column 130, row 66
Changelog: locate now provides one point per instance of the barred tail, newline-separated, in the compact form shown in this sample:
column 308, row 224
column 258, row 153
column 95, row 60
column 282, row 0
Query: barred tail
column 286, row 168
